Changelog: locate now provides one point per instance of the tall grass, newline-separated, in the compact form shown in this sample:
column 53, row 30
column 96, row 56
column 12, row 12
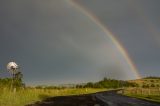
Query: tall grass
column 28, row 96
column 152, row 94
column 142, row 91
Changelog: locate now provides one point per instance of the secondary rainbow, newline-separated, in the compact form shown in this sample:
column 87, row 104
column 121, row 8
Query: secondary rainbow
column 109, row 34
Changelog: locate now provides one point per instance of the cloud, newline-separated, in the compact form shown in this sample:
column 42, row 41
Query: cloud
column 53, row 42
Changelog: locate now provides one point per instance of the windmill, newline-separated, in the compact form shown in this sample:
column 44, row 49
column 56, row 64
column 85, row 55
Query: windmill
column 12, row 67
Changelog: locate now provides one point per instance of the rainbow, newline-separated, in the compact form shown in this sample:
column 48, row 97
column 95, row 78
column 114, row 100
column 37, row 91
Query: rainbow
column 109, row 34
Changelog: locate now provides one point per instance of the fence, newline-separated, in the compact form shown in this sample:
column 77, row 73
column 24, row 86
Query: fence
column 142, row 91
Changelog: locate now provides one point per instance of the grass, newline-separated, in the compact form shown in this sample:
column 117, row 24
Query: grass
column 149, row 89
column 28, row 96
column 152, row 98
column 150, row 82
column 150, row 94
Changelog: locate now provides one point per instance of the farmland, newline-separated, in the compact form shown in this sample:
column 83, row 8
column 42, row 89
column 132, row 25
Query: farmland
column 151, row 94
column 30, row 95
column 148, row 89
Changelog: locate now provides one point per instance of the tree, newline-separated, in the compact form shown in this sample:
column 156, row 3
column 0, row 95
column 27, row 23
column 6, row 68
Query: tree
column 18, row 80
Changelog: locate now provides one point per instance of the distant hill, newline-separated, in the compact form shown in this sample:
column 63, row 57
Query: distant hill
column 151, row 77
column 147, row 82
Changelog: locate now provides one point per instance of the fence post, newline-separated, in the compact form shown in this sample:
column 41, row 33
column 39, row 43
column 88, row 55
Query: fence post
column 142, row 92
column 149, row 91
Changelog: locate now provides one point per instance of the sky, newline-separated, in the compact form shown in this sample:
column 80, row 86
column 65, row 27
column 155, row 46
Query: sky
column 54, row 42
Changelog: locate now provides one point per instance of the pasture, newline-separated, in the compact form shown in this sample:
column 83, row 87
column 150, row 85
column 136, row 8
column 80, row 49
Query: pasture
column 151, row 94
column 23, row 97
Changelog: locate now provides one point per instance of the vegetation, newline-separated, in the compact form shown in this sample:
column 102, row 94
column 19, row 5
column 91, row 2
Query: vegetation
column 24, row 95
column 152, row 77
column 108, row 83
column 147, row 82
column 30, row 95
column 15, row 82
column 149, row 89
column 105, row 83
column 14, row 93
column 152, row 94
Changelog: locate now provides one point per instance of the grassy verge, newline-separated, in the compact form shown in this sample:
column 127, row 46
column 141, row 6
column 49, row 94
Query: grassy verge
column 153, row 98
column 27, row 96
column 150, row 94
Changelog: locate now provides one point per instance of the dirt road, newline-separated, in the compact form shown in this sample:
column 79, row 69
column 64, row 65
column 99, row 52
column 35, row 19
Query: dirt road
column 110, row 98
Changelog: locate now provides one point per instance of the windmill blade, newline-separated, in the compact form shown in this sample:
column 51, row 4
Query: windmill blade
column 12, row 67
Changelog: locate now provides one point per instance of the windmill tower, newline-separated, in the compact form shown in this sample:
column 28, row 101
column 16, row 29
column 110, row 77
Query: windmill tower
column 12, row 67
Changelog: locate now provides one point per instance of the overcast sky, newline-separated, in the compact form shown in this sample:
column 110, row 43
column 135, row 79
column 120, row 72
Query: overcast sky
column 55, row 43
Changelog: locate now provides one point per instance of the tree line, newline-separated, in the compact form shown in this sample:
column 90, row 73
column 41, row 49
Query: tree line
column 108, row 83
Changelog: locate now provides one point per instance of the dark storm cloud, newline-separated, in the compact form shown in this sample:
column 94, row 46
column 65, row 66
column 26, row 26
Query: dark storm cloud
column 135, row 24
column 54, row 43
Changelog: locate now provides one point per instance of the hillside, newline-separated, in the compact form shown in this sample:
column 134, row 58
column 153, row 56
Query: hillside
column 147, row 82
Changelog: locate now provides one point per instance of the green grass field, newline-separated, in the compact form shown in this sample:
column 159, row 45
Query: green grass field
column 28, row 96
column 153, row 98
column 151, row 94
